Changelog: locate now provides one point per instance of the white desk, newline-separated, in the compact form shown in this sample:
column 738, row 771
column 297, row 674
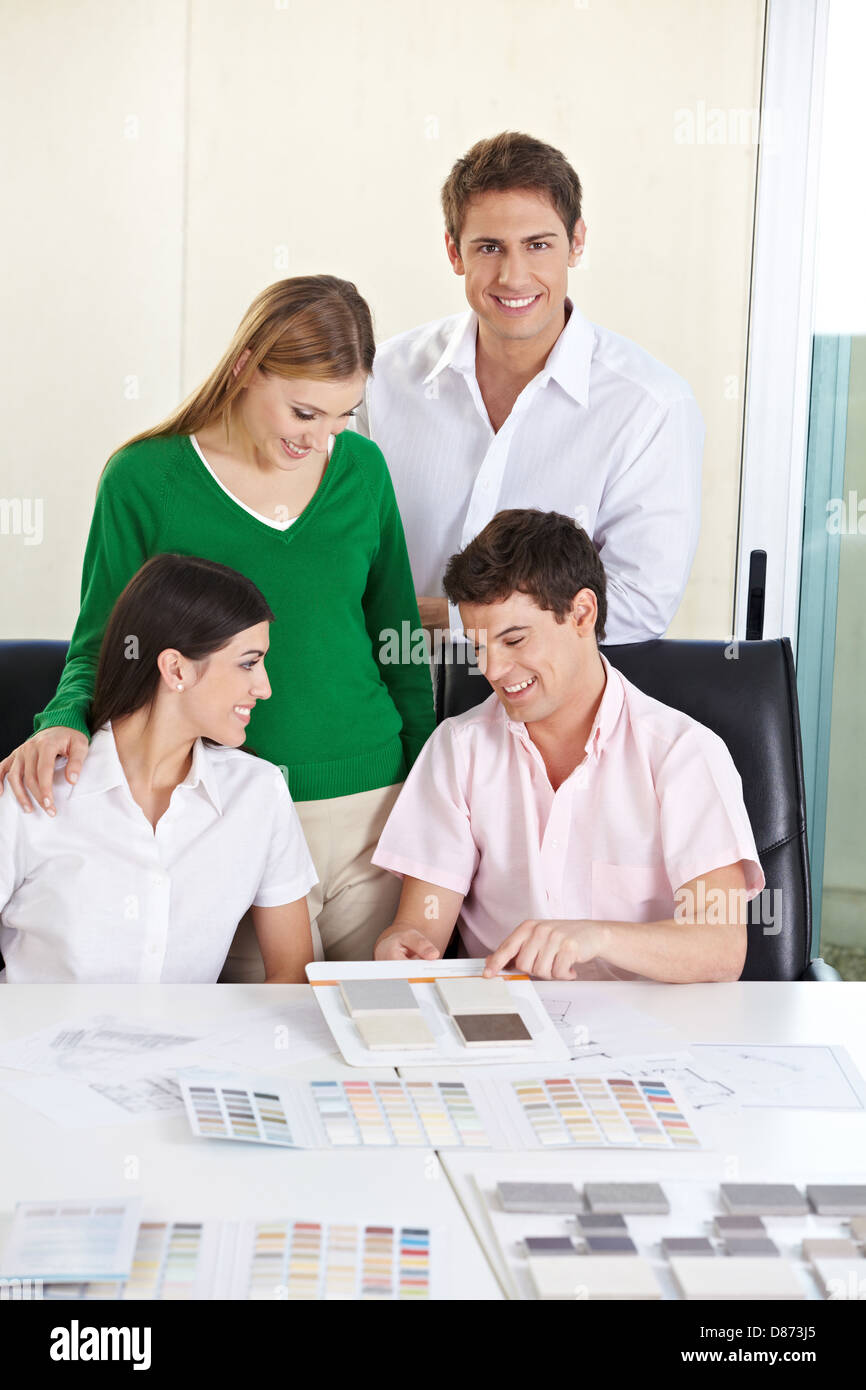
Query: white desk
column 183, row 1177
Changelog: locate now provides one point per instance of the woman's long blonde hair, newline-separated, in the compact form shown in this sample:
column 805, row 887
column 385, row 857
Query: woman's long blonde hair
column 311, row 327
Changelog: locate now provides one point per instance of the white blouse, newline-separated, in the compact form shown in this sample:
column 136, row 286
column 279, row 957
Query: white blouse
column 95, row 894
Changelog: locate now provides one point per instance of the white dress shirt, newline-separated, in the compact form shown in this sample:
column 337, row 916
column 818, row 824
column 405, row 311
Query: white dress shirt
column 603, row 433
column 95, row 894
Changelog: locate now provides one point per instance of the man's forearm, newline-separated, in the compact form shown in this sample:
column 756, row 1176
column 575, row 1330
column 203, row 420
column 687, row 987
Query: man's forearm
column 675, row 952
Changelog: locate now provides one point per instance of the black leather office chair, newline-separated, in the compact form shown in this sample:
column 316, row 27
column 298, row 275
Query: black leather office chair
column 750, row 701
column 29, row 673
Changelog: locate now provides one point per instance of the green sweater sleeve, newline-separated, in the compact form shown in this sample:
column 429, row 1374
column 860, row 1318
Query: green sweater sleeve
column 390, row 607
column 123, row 534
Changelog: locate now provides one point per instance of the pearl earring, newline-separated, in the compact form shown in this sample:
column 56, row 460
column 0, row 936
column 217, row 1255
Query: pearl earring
column 180, row 685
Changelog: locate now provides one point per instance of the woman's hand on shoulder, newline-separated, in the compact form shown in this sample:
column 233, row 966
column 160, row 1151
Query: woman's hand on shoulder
column 29, row 769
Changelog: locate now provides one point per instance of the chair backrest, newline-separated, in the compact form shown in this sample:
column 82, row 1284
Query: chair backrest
column 29, row 673
column 747, row 694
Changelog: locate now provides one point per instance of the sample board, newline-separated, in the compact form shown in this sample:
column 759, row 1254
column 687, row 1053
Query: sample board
column 501, row 1019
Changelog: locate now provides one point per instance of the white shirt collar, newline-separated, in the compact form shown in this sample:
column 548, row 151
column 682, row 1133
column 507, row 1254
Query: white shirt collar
column 568, row 362
column 102, row 769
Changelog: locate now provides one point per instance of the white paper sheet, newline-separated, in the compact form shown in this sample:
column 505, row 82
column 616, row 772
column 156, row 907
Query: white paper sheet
column 801, row 1077
column 728, row 1076
column 75, row 1104
column 593, row 1025
column 100, row 1047
column 271, row 1036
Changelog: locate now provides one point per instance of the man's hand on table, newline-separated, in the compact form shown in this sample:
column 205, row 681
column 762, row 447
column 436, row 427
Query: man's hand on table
column 548, row 950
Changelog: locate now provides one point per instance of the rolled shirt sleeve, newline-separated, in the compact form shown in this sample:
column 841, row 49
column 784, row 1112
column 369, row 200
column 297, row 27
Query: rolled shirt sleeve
column 289, row 872
column 428, row 834
column 704, row 822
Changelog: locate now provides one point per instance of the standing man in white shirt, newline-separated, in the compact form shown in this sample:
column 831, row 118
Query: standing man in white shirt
column 522, row 402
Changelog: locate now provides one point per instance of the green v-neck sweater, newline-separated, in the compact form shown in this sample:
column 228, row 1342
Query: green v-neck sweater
column 341, row 719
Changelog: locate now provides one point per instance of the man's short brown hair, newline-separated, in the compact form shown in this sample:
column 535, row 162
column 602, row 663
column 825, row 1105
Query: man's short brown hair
column 542, row 554
column 510, row 160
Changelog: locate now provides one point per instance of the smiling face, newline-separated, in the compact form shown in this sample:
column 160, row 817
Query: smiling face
column 535, row 664
column 220, row 692
column 515, row 253
column 288, row 420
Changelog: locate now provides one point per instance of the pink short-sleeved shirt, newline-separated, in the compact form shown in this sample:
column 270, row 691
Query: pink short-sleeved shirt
column 655, row 802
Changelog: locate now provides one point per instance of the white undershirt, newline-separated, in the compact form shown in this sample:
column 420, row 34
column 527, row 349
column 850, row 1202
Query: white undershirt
column 275, row 525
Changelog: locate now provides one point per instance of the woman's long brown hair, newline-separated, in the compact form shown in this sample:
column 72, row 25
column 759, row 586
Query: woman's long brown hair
column 180, row 601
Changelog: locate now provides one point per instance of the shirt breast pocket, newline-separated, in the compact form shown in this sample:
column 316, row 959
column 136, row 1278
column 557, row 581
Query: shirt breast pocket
column 630, row 893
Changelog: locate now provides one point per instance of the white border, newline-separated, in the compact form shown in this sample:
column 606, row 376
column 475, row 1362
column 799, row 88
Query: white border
column 780, row 321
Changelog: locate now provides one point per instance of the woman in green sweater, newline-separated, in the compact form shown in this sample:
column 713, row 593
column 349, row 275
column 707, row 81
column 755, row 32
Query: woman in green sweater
column 257, row 470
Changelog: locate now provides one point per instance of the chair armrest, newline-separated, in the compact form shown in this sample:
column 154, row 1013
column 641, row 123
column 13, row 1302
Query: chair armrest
column 818, row 969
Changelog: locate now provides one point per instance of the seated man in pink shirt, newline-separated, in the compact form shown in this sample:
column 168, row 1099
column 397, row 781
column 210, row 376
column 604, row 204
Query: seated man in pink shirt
column 576, row 827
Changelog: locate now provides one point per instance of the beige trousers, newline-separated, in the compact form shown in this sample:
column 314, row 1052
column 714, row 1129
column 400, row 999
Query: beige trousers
column 353, row 902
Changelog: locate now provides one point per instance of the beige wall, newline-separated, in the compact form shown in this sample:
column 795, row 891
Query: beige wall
column 91, row 108
column 315, row 138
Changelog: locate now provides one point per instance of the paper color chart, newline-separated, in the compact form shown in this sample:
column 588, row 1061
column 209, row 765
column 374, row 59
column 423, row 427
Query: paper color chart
column 435, row 1113
column 235, row 1112
column 314, row 1260
column 578, row 1110
column 74, row 1241
column 166, row 1263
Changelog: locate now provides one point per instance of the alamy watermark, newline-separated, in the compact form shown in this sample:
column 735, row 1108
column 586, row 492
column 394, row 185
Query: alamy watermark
column 846, row 516
column 716, row 907
column 22, row 516
column 415, row 646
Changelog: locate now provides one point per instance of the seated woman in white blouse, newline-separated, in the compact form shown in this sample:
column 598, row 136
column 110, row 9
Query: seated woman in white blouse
column 171, row 831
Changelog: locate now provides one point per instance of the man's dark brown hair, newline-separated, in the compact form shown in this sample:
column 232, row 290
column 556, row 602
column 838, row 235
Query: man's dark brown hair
column 511, row 160
column 542, row 554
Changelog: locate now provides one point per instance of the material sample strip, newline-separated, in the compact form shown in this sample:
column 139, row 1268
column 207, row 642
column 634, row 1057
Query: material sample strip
column 736, row 1277
column 377, row 996
column 475, row 995
column 385, row 1031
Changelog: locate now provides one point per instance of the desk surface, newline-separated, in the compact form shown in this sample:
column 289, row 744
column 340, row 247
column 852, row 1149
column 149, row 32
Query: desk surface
column 180, row 1176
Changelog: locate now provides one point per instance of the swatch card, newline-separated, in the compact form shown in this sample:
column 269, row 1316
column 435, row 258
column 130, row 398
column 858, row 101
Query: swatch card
column 597, row 1111
column 72, row 1241
column 285, row 1260
column 354, row 1113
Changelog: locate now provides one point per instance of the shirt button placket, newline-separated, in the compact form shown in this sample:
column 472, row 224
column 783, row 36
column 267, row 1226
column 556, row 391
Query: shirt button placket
column 555, row 838
column 156, row 932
